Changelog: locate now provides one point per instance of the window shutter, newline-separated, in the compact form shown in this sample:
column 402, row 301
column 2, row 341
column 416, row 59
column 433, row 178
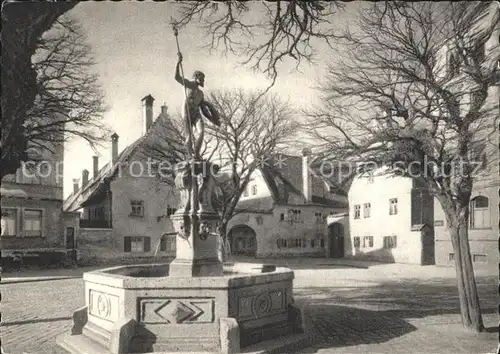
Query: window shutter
column 163, row 243
column 127, row 244
column 147, row 244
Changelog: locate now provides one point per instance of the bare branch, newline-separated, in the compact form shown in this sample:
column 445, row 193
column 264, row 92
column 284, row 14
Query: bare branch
column 69, row 101
column 278, row 29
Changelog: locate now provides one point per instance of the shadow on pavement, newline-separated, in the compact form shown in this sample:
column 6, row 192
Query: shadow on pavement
column 409, row 298
column 333, row 326
column 347, row 316
column 39, row 320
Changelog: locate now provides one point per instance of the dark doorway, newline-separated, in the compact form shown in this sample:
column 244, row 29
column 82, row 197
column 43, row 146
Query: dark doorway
column 428, row 257
column 336, row 240
column 243, row 240
column 70, row 238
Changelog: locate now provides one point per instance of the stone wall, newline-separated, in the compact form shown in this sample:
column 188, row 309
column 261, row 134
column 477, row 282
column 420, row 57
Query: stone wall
column 95, row 245
column 98, row 246
column 51, row 225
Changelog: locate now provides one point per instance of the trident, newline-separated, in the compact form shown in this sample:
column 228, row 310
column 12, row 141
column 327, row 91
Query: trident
column 194, row 191
column 190, row 131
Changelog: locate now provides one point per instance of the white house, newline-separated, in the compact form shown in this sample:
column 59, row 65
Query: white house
column 125, row 206
column 390, row 219
column 283, row 211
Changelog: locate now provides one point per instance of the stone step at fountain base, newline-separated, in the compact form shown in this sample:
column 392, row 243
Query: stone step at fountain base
column 79, row 344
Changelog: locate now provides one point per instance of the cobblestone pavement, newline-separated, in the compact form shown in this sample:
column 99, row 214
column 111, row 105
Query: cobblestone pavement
column 374, row 309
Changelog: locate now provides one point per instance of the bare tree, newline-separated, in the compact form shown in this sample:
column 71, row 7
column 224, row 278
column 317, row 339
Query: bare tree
column 69, row 101
column 252, row 128
column 288, row 29
column 412, row 85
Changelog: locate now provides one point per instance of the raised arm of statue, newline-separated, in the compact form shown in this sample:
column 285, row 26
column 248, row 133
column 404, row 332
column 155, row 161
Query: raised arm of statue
column 178, row 76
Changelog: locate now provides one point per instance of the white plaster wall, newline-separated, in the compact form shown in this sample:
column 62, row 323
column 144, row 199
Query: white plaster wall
column 273, row 229
column 262, row 189
column 381, row 223
column 156, row 197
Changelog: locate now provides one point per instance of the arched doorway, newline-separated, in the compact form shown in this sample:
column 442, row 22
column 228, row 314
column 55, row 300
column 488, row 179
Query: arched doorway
column 243, row 240
column 336, row 240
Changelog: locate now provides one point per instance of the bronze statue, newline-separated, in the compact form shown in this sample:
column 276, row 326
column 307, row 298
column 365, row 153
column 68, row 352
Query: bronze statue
column 195, row 108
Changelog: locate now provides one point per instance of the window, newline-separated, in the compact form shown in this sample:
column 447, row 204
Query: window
column 32, row 223
column 281, row 243
column 390, row 241
column 322, row 243
column 254, row 189
column 30, row 173
column 9, row 222
column 313, row 243
column 282, row 217
column 357, row 242
column 368, row 241
column 168, row 242
column 259, row 220
column 299, row 242
column 366, row 210
column 96, row 213
column 170, row 210
column 479, row 258
column 357, row 211
column 319, row 218
column 393, row 206
column 480, row 213
column 137, row 207
column 295, row 215
column 451, row 256
column 137, row 244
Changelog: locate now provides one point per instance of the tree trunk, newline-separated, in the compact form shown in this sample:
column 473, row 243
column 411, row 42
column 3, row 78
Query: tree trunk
column 467, row 290
column 23, row 23
column 223, row 235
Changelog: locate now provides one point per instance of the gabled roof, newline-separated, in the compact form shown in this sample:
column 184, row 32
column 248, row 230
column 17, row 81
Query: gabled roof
column 97, row 186
column 283, row 175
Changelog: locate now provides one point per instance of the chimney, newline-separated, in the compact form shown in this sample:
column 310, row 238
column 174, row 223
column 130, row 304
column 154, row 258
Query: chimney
column 306, row 175
column 147, row 112
column 85, row 178
column 164, row 109
column 75, row 185
column 95, row 160
column 114, row 148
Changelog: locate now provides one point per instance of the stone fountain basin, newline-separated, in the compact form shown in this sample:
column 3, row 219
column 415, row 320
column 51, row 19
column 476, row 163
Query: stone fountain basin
column 141, row 309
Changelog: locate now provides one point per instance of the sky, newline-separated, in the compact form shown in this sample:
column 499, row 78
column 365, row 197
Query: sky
column 136, row 53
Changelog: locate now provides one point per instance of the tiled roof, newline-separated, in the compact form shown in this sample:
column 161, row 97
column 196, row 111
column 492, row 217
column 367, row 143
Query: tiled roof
column 285, row 179
column 100, row 183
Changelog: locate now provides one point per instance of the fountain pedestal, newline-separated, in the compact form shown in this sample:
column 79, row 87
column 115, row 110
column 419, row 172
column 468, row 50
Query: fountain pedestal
column 192, row 304
column 196, row 223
